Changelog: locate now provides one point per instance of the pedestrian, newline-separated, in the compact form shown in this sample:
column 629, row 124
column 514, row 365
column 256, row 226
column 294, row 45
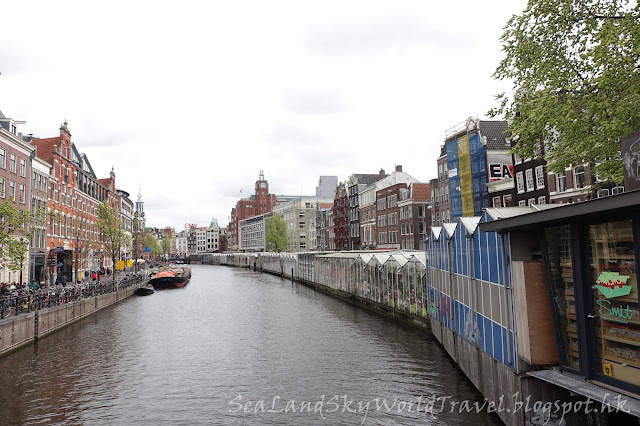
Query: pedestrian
column 64, row 281
column 94, row 276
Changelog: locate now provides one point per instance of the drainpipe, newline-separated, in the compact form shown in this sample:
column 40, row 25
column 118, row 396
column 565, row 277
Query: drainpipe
column 507, row 304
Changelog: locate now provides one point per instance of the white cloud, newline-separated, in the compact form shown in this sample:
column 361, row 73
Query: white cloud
column 189, row 101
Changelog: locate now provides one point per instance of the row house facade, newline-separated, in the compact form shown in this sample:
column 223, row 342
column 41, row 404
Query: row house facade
column 415, row 216
column 368, row 202
column 126, row 209
column 477, row 153
column 39, row 202
column 388, row 216
column 18, row 165
column 53, row 180
column 341, row 236
column 324, row 221
column 535, row 185
column 73, row 237
column 208, row 238
column 439, row 191
column 355, row 184
column 186, row 242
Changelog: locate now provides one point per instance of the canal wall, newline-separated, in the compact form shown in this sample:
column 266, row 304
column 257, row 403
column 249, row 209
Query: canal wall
column 18, row 331
column 486, row 313
column 360, row 301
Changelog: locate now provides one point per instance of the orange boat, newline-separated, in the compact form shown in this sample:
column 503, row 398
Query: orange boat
column 171, row 278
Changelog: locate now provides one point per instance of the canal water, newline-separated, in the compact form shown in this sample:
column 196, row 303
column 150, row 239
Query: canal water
column 236, row 347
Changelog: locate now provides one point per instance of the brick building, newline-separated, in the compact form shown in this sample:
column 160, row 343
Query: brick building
column 73, row 238
column 388, row 216
column 16, row 158
column 415, row 216
column 341, row 239
column 355, row 184
column 260, row 203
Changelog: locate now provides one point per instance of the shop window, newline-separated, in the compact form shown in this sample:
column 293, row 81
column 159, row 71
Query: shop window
column 615, row 300
column 558, row 243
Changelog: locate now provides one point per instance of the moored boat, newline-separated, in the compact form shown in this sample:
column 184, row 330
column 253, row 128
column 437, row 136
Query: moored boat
column 171, row 277
column 145, row 290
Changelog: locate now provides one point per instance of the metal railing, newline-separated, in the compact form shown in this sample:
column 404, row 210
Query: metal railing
column 27, row 300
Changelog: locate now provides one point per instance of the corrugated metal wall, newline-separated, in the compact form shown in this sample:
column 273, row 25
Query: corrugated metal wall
column 470, row 297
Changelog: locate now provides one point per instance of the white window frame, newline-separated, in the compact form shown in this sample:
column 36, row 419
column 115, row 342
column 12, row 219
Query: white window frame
column 561, row 177
column 540, row 177
column 575, row 178
column 520, row 182
column 529, row 180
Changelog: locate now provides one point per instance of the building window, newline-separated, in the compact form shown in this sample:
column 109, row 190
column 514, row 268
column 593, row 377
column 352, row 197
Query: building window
column 22, row 193
column 562, row 181
column 578, row 177
column 497, row 202
column 617, row 190
column 3, row 158
column 542, row 200
column 539, row 177
column 12, row 164
column 529, row 176
column 531, row 201
column 520, row 182
column 522, row 203
column 2, row 188
column 23, row 168
column 507, row 201
column 12, row 189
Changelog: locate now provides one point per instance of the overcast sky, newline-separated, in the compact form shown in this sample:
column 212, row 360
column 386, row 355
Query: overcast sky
column 189, row 100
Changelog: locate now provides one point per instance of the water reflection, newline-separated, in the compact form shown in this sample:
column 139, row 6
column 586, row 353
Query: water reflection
column 197, row 355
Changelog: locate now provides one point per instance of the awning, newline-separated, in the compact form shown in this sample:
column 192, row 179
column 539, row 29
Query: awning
column 589, row 389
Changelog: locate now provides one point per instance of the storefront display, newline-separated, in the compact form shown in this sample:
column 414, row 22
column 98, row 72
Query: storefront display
column 558, row 241
column 615, row 300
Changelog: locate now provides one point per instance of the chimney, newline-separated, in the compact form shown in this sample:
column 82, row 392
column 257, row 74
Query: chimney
column 382, row 174
column 398, row 168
